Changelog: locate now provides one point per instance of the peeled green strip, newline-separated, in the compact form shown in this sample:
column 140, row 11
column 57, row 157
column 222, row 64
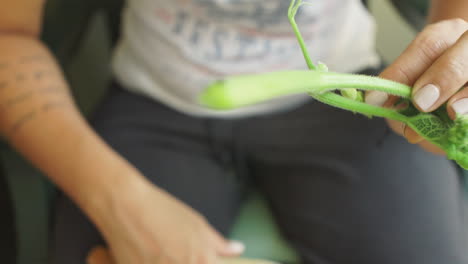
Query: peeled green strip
column 250, row 89
column 359, row 107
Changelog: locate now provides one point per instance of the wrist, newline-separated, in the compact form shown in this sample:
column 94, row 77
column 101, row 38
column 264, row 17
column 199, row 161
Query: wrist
column 101, row 181
column 105, row 201
column 88, row 170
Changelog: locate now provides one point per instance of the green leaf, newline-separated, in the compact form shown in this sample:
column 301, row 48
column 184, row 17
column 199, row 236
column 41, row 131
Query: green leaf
column 429, row 126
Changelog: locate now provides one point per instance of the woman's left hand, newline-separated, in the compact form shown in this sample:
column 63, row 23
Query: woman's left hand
column 435, row 64
column 100, row 255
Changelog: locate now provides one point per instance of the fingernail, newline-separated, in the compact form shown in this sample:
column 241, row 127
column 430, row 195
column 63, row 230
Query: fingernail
column 411, row 135
column 461, row 106
column 376, row 98
column 427, row 96
column 236, row 247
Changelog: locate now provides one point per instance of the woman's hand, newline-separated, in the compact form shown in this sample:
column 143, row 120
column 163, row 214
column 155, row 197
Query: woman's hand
column 436, row 65
column 145, row 225
column 100, row 255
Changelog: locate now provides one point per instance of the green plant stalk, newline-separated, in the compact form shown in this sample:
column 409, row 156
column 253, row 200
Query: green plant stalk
column 353, row 81
column 338, row 101
column 437, row 127
column 293, row 8
column 244, row 90
column 434, row 132
column 250, row 89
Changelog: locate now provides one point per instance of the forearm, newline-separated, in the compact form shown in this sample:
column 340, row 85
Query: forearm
column 448, row 9
column 38, row 117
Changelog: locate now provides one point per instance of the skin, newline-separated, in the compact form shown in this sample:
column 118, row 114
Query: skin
column 101, row 256
column 39, row 119
column 439, row 56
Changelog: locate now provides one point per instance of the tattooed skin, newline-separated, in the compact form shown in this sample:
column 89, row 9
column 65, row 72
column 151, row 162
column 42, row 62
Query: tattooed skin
column 18, row 88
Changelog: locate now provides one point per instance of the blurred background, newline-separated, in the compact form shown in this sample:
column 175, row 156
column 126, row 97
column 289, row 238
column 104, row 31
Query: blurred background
column 88, row 73
column 394, row 34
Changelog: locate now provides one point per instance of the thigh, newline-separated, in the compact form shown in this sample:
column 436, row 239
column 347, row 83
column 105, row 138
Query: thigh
column 346, row 191
column 172, row 150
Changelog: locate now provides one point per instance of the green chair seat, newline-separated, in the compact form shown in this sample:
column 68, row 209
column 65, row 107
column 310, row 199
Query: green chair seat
column 256, row 228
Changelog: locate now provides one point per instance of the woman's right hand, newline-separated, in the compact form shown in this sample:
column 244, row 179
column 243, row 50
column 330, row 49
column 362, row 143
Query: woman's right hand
column 146, row 225
column 435, row 65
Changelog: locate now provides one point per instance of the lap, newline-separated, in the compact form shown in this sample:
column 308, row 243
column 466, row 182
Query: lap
column 346, row 191
column 342, row 189
column 171, row 150
column 174, row 151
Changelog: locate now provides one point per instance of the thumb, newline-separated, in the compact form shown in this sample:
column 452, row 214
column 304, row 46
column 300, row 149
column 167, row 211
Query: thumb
column 99, row 255
column 245, row 261
column 228, row 248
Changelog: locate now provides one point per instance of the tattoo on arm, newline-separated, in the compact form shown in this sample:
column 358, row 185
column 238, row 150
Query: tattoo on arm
column 28, row 85
column 20, row 77
column 17, row 99
column 52, row 90
column 49, row 106
column 11, row 102
column 27, row 59
column 34, row 59
column 22, row 120
column 53, row 105
column 39, row 75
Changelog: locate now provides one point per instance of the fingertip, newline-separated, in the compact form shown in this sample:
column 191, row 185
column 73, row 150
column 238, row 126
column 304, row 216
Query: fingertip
column 412, row 136
column 246, row 261
column 426, row 97
column 98, row 255
column 428, row 146
column 458, row 107
column 376, row 98
column 397, row 126
column 232, row 248
column 236, row 247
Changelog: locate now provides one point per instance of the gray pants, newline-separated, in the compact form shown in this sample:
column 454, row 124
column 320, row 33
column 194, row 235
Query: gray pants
column 343, row 189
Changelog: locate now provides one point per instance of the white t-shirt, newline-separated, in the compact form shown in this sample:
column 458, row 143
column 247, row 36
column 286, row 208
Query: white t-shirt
column 171, row 49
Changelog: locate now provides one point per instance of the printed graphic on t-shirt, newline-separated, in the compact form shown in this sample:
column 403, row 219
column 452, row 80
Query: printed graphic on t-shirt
column 225, row 34
column 171, row 49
